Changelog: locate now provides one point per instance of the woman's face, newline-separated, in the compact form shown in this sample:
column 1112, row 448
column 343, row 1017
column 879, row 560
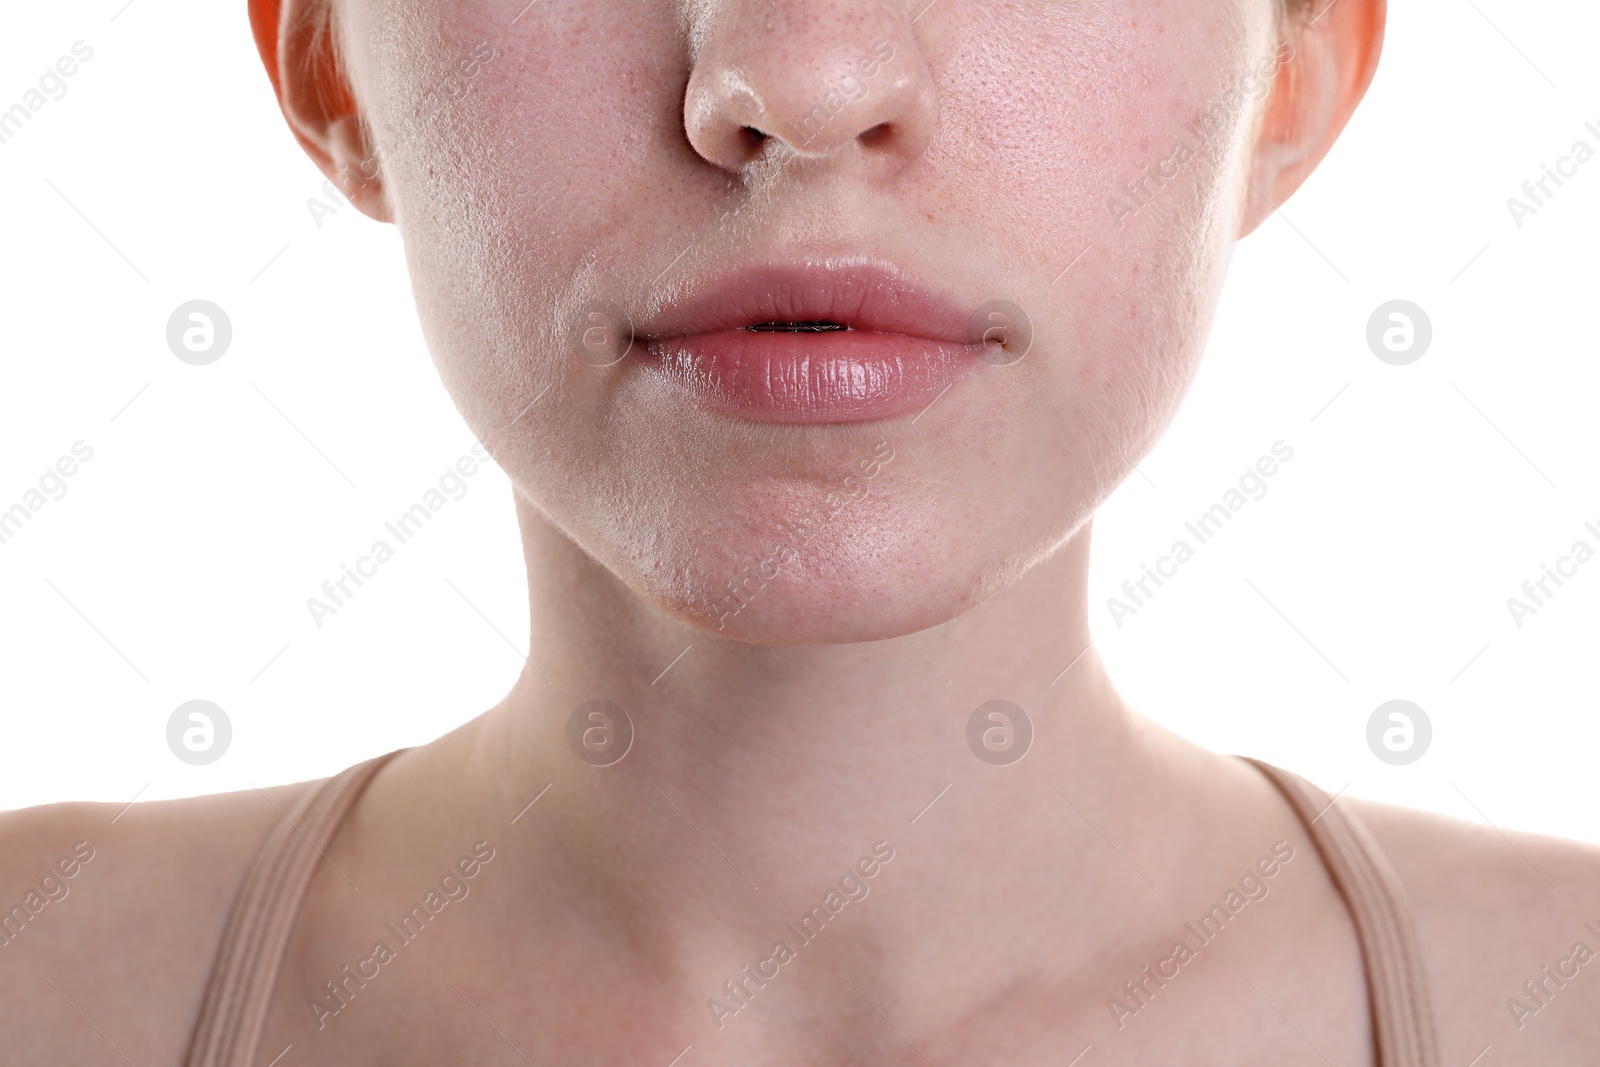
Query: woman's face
column 567, row 176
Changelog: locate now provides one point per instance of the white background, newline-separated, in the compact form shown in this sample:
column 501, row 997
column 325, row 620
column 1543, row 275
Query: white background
column 219, row 498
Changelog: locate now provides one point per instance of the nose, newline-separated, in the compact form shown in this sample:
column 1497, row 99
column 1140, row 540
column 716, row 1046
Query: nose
column 822, row 79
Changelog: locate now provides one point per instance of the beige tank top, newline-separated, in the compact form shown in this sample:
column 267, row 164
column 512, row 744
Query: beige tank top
column 263, row 914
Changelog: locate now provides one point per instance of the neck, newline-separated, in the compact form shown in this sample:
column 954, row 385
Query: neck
column 757, row 775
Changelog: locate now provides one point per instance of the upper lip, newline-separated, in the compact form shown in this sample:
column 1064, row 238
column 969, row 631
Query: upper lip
column 870, row 296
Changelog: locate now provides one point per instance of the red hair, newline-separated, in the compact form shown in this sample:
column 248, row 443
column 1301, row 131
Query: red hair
column 264, row 18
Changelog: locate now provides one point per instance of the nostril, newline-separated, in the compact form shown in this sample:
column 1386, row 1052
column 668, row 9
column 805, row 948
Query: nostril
column 877, row 135
column 751, row 137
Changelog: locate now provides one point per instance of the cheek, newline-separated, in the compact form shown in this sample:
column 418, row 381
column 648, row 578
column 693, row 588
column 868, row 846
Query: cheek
column 514, row 212
column 1082, row 151
column 515, row 201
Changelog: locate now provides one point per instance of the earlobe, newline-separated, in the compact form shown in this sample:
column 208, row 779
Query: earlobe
column 1329, row 66
column 298, row 44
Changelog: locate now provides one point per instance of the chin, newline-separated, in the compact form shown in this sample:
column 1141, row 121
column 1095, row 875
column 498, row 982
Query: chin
column 876, row 571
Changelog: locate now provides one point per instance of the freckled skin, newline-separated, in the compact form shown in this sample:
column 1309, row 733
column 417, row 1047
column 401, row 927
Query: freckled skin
column 565, row 177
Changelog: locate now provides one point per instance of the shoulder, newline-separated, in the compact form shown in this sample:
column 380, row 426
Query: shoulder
column 1509, row 924
column 110, row 916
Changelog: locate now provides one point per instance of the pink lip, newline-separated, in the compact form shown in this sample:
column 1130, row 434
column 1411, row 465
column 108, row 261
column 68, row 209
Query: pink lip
column 904, row 345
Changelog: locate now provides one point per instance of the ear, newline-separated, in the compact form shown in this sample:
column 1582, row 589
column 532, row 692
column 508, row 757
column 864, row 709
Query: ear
column 299, row 47
column 1330, row 62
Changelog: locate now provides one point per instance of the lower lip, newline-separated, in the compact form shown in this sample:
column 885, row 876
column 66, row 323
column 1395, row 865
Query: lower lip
column 830, row 376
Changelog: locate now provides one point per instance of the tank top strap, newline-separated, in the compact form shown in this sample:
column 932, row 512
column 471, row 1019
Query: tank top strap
column 246, row 965
column 1397, row 986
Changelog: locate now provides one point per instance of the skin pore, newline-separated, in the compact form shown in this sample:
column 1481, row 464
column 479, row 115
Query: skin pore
column 626, row 154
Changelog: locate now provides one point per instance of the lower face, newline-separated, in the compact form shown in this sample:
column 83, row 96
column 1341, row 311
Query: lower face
column 787, row 485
